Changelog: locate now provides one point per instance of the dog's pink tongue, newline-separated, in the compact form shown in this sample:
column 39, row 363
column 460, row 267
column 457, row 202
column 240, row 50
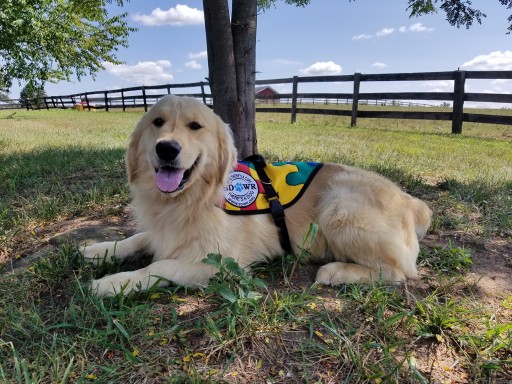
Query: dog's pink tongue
column 168, row 180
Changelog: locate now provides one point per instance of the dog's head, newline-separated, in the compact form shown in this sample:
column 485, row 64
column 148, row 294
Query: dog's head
column 180, row 143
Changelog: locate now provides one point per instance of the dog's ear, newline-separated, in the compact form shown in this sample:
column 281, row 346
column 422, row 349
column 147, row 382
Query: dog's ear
column 132, row 154
column 227, row 151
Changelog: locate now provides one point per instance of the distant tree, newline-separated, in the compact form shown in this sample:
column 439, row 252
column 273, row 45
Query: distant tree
column 32, row 96
column 231, row 45
column 50, row 40
column 4, row 96
column 458, row 12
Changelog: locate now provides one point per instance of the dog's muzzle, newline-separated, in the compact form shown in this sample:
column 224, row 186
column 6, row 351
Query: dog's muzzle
column 169, row 176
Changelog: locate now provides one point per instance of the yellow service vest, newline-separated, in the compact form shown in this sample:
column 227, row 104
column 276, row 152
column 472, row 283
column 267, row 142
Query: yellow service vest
column 244, row 192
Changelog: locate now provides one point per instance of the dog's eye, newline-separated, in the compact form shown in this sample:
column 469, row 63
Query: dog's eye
column 195, row 125
column 158, row 122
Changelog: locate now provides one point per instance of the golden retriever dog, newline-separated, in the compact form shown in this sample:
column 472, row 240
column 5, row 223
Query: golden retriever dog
column 178, row 160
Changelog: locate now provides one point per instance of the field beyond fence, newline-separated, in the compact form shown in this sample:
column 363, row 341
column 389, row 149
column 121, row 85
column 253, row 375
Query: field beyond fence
column 290, row 103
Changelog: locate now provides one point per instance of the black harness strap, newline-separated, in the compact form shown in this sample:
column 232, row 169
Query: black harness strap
column 276, row 209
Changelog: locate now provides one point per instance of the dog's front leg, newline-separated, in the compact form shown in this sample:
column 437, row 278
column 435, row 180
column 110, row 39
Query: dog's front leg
column 159, row 273
column 106, row 251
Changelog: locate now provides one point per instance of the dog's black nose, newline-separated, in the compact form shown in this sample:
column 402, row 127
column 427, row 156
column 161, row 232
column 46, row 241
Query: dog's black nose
column 168, row 150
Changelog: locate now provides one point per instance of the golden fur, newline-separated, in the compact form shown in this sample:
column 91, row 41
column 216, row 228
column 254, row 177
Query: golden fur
column 368, row 227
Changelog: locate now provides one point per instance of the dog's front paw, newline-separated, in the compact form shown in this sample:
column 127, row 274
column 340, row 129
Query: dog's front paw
column 119, row 283
column 97, row 253
column 338, row 273
column 329, row 274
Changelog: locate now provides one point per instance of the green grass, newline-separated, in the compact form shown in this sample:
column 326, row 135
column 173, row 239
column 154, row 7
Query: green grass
column 463, row 176
column 56, row 164
column 273, row 325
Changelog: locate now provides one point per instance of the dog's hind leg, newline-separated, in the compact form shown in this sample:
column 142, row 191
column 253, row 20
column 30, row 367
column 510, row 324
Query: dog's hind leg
column 366, row 243
column 106, row 251
column 338, row 273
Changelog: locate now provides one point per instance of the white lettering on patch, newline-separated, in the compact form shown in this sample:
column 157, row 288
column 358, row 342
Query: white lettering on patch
column 241, row 189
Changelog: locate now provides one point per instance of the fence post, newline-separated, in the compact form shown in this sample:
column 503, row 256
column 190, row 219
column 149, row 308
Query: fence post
column 105, row 94
column 122, row 100
column 87, row 101
column 144, row 98
column 202, row 93
column 168, row 89
column 458, row 101
column 355, row 99
column 294, row 98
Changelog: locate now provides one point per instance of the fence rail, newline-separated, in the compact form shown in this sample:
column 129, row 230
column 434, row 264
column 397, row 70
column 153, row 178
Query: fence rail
column 145, row 96
column 457, row 97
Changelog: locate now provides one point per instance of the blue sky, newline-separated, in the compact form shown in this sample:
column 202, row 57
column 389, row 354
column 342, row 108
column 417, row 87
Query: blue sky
column 327, row 37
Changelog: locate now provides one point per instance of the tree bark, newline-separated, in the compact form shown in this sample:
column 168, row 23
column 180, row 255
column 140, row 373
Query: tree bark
column 221, row 59
column 243, row 27
column 231, row 45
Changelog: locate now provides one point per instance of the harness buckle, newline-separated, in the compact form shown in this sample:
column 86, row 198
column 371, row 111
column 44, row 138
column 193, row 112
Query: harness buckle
column 272, row 198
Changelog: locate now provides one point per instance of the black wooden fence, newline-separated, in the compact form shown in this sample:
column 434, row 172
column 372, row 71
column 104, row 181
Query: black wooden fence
column 457, row 97
column 145, row 96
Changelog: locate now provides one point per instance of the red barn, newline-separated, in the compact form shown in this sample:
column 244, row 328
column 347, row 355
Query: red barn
column 267, row 95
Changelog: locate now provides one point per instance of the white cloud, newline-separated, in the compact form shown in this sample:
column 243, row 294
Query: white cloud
column 193, row 64
column 419, row 27
column 494, row 61
column 439, row 84
column 362, row 36
column 322, row 68
column 379, row 65
column 500, row 81
column 385, row 31
column 180, row 15
column 203, row 55
column 501, row 85
column 287, row 62
column 142, row 73
column 498, row 92
column 416, row 27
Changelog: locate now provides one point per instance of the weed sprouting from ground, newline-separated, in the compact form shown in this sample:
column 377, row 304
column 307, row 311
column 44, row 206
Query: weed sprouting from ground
column 448, row 259
column 305, row 251
column 232, row 282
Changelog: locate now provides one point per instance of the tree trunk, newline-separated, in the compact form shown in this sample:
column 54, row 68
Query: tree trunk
column 231, row 45
column 243, row 27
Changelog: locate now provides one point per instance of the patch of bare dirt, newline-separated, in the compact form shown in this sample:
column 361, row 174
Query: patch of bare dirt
column 37, row 242
column 492, row 261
